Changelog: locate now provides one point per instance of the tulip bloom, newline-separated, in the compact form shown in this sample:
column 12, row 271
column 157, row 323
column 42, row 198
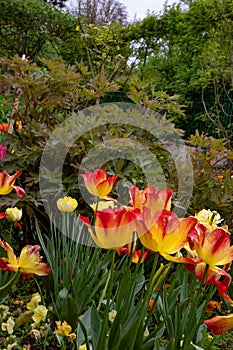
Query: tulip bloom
column 4, row 127
column 213, row 248
column 220, row 324
column 151, row 198
column 114, row 227
column 97, row 183
column 164, row 232
column 67, row 204
column 28, row 263
column 7, row 183
column 136, row 253
column 14, row 214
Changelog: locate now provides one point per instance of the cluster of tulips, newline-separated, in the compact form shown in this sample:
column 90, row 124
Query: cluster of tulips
column 196, row 241
column 29, row 263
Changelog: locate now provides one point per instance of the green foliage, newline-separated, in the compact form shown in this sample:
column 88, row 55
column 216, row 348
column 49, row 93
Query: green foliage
column 213, row 182
column 188, row 52
column 33, row 28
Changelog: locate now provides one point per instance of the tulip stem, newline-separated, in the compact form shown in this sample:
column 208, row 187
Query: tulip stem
column 11, row 280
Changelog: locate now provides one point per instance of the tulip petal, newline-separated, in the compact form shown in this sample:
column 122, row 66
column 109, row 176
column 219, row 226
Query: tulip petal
column 220, row 324
column 20, row 191
column 97, row 182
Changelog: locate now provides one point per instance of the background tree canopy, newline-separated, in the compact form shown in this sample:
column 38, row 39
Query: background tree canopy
column 187, row 50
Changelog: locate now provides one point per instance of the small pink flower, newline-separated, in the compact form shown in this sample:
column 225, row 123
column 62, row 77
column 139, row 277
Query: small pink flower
column 3, row 150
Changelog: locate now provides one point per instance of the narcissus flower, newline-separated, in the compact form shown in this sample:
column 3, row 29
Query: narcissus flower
column 97, row 182
column 64, row 329
column 164, row 232
column 28, row 263
column 114, row 227
column 67, row 204
column 14, row 214
column 220, row 324
column 7, row 183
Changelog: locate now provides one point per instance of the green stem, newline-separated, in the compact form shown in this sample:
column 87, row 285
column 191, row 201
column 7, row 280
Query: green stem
column 102, row 338
column 11, row 281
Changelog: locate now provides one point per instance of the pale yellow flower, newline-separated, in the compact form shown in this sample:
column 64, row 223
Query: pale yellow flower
column 34, row 302
column 102, row 205
column 26, row 347
column 82, row 347
column 15, row 214
column 9, row 325
column 210, row 219
column 72, row 337
column 40, row 313
column 77, row 28
column 4, row 311
column 67, row 204
column 35, row 333
column 12, row 346
column 63, row 329
column 112, row 315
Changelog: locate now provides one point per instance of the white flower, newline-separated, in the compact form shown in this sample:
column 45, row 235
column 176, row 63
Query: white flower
column 4, row 311
column 210, row 219
column 9, row 325
column 112, row 315
column 15, row 214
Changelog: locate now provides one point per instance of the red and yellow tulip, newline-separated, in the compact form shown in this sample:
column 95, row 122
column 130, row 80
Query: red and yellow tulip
column 7, row 183
column 28, row 263
column 211, row 249
column 97, row 182
column 220, row 324
column 151, row 198
column 114, row 227
column 137, row 255
column 164, row 232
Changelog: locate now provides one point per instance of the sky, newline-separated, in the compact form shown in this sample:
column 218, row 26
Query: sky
column 140, row 7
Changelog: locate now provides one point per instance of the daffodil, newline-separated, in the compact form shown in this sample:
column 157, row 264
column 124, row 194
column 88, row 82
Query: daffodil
column 63, row 328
